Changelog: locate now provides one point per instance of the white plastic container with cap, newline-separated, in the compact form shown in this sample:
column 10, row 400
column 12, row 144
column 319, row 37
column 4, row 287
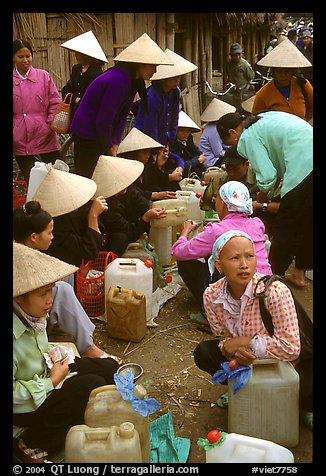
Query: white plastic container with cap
column 113, row 444
column 106, row 407
column 193, row 205
column 176, row 212
column 268, row 406
column 131, row 273
column 192, row 185
column 245, row 449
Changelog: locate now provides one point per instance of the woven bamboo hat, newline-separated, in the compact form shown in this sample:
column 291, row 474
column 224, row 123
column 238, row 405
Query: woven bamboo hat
column 137, row 140
column 180, row 66
column 62, row 192
column 87, row 44
column 216, row 109
column 113, row 174
column 186, row 121
column 33, row 269
column 143, row 50
column 248, row 104
column 285, row 55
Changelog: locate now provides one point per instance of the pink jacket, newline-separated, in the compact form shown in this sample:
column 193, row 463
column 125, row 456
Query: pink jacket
column 35, row 102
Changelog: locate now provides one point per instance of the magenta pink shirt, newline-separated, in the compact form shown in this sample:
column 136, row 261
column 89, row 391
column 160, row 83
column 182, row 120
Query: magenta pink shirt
column 35, row 100
column 201, row 245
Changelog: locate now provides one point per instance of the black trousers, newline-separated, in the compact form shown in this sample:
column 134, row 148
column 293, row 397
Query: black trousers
column 26, row 162
column 86, row 154
column 196, row 276
column 208, row 358
column 48, row 426
column 293, row 235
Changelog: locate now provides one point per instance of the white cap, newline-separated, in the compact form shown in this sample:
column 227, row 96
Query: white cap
column 87, row 44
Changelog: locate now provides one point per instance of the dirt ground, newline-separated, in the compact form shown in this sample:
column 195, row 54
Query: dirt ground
column 170, row 375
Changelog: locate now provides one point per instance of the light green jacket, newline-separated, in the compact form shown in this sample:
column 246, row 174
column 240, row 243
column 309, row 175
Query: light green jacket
column 278, row 145
column 31, row 383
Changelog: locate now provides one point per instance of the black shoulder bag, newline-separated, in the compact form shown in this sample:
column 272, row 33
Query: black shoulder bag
column 305, row 323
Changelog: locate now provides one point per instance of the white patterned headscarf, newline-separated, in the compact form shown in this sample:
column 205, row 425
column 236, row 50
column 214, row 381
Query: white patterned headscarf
column 236, row 196
column 220, row 243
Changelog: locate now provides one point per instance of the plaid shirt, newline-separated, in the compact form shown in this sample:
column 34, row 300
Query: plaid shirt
column 284, row 345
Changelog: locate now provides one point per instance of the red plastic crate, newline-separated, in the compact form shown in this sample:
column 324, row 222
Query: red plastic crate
column 19, row 190
column 91, row 291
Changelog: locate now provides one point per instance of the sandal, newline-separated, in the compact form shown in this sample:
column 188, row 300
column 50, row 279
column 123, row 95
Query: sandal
column 223, row 400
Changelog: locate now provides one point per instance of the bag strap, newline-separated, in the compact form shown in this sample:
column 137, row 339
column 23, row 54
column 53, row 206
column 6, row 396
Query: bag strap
column 69, row 96
column 265, row 314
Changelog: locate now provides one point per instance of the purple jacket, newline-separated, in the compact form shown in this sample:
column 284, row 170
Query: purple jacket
column 35, row 100
column 161, row 120
column 102, row 111
column 201, row 245
column 211, row 145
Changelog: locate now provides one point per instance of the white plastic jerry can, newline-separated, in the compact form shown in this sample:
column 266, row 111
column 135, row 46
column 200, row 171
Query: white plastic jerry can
column 224, row 447
column 192, row 185
column 114, row 444
column 268, row 406
column 131, row 273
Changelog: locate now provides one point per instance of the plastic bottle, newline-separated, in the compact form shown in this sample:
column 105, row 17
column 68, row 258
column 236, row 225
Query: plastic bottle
column 236, row 448
column 137, row 250
column 114, row 444
column 206, row 203
column 268, row 406
column 126, row 314
column 132, row 274
column 106, row 407
column 193, row 205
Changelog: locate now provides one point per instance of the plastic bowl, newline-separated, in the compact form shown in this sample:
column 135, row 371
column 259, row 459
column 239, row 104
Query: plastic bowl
column 136, row 369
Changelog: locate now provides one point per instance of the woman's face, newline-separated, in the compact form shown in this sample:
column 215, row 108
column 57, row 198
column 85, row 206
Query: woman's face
column 282, row 76
column 23, row 59
column 183, row 133
column 146, row 71
column 143, row 155
column 37, row 303
column 42, row 241
column 171, row 83
column 237, row 261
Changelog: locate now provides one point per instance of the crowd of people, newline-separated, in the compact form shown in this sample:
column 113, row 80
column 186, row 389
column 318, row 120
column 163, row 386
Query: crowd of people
column 265, row 189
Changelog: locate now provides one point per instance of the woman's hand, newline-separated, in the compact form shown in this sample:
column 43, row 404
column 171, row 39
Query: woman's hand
column 176, row 175
column 153, row 214
column 163, row 195
column 230, row 346
column 188, row 227
column 59, row 371
column 99, row 205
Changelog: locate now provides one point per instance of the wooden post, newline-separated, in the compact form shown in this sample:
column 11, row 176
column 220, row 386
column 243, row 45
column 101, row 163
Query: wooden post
column 161, row 31
column 170, row 29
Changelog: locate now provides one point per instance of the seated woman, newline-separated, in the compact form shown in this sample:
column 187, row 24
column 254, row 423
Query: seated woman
column 210, row 142
column 184, row 147
column 46, row 401
column 129, row 213
column 69, row 199
column 139, row 146
column 33, row 227
column 234, row 207
column 234, row 316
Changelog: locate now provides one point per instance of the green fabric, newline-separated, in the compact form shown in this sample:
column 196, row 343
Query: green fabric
column 278, row 145
column 165, row 447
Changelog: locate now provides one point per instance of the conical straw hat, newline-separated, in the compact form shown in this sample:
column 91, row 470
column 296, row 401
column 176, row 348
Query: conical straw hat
column 33, row 269
column 113, row 174
column 248, row 104
column 285, row 55
column 137, row 140
column 62, row 192
column 87, row 44
column 180, row 66
column 216, row 109
column 186, row 121
column 143, row 50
